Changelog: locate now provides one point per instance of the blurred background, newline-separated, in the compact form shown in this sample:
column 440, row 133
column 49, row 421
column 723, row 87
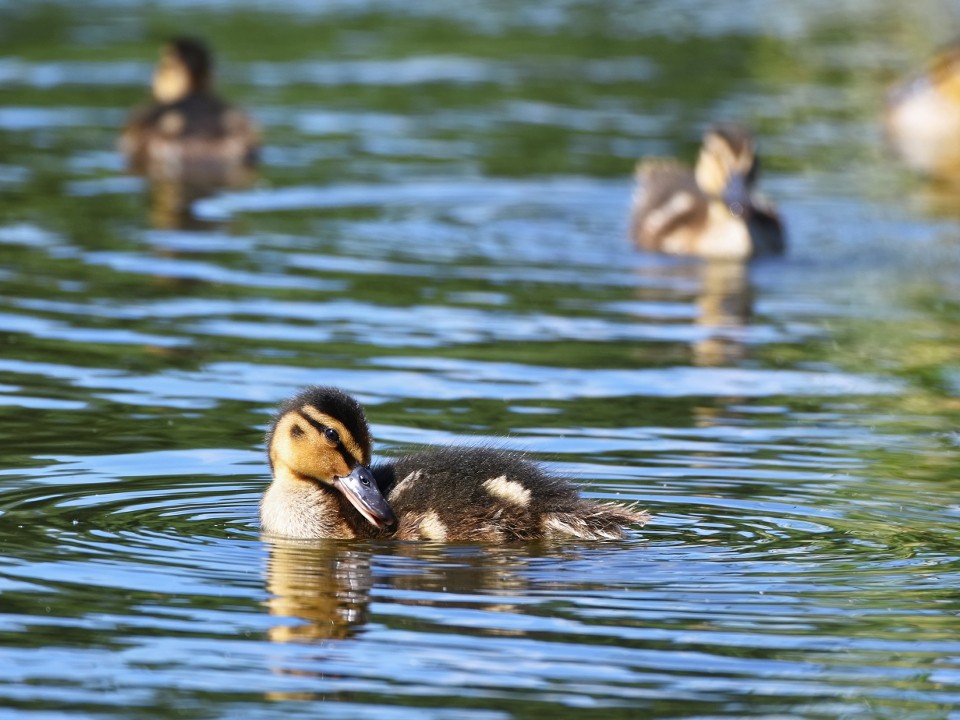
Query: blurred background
column 439, row 225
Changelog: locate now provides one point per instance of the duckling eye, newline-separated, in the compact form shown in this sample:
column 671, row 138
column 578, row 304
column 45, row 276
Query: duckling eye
column 332, row 436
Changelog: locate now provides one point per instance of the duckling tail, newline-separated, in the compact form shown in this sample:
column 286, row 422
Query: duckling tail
column 594, row 521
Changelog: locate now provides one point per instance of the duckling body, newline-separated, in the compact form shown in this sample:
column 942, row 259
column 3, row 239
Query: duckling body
column 188, row 130
column 451, row 494
column 922, row 117
column 711, row 212
column 491, row 495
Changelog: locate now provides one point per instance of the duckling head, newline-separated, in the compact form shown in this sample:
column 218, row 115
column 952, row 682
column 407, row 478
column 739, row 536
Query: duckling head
column 185, row 66
column 320, row 436
column 727, row 166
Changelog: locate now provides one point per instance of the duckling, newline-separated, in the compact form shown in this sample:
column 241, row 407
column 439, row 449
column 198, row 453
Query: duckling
column 323, row 486
column 711, row 212
column 922, row 117
column 187, row 129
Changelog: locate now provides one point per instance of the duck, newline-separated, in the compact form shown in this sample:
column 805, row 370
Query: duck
column 711, row 212
column 324, row 486
column 187, row 130
column 922, row 117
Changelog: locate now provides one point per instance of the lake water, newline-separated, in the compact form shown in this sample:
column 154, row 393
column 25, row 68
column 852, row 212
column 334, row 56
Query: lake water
column 439, row 227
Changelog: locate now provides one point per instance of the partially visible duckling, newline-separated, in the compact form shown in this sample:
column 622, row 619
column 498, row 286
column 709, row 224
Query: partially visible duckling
column 323, row 487
column 187, row 130
column 711, row 212
column 922, row 117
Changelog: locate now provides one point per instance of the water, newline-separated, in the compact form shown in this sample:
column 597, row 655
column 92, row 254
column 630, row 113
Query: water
column 440, row 229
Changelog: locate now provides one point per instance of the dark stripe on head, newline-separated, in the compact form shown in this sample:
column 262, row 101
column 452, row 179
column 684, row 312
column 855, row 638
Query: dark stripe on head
column 348, row 458
column 318, row 426
column 195, row 55
column 742, row 145
column 335, row 403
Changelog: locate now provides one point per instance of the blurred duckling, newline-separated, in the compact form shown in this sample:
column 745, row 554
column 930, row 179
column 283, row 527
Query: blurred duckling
column 323, row 486
column 712, row 211
column 922, row 117
column 188, row 131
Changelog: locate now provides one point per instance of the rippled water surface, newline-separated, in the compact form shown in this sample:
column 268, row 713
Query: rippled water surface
column 439, row 227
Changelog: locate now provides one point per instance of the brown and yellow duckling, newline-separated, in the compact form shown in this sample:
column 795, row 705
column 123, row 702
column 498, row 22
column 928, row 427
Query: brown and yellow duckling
column 922, row 117
column 324, row 487
column 188, row 129
column 710, row 212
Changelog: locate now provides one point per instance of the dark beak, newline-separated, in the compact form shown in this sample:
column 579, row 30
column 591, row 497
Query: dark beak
column 360, row 488
column 737, row 195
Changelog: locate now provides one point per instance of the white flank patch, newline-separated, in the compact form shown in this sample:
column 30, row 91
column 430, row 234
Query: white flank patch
column 509, row 490
column 432, row 527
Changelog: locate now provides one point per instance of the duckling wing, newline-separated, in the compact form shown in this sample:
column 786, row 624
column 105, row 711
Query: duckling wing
column 766, row 229
column 666, row 202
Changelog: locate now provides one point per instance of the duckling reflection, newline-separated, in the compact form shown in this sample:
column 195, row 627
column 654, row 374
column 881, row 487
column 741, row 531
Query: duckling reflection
column 171, row 204
column 187, row 141
column 922, row 117
column 713, row 211
column 725, row 302
column 723, row 296
column 466, row 578
column 326, row 586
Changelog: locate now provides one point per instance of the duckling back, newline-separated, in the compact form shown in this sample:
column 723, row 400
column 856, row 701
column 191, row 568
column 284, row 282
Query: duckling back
column 491, row 495
column 197, row 134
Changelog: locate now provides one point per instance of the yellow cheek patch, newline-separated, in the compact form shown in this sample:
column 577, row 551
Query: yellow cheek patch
column 170, row 81
column 346, row 438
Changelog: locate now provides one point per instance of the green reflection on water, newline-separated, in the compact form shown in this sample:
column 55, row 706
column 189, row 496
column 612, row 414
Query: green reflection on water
column 159, row 560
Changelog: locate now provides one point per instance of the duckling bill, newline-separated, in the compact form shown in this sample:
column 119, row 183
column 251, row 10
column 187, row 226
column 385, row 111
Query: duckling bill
column 711, row 212
column 323, row 486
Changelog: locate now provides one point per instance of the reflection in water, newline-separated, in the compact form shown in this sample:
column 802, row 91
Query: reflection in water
column 326, row 587
column 938, row 197
column 725, row 301
column 723, row 295
column 172, row 199
column 463, row 576
column 325, row 584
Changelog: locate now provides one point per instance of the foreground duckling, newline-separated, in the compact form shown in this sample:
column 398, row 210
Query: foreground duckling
column 922, row 117
column 323, row 486
column 187, row 129
column 711, row 212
